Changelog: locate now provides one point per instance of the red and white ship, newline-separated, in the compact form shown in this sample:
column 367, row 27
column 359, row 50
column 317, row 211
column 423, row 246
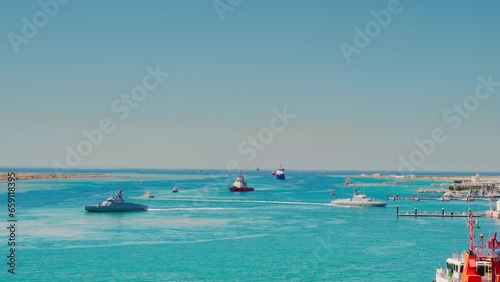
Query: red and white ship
column 477, row 264
column 240, row 185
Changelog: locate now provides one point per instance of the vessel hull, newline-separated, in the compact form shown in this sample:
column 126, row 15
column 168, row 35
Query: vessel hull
column 349, row 203
column 117, row 208
column 236, row 189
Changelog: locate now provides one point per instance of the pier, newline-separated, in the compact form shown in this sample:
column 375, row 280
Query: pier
column 436, row 214
column 444, row 198
column 414, row 198
column 440, row 191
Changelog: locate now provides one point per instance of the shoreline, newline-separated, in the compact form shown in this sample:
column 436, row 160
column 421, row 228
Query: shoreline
column 456, row 179
column 47, row 176
column 459, row 178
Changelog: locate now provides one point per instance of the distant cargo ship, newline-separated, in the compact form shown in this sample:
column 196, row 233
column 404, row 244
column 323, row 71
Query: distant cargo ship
column 280, row 173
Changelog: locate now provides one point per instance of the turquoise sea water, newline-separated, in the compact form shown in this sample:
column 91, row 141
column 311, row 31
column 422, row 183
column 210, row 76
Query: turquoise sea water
column 283, row 231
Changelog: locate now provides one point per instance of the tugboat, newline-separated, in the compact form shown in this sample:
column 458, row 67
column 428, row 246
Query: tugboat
column 280, row 173
column 175, row 189
column 116, row 204
column 148, row 195
column 240, row 185
column 359, row 200
column 477, row 264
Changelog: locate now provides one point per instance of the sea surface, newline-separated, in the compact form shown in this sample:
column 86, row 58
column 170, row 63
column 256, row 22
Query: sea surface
column 283, row 231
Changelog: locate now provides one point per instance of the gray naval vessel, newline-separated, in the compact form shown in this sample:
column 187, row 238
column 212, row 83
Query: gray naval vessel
column 116, row 204
column 359, row 200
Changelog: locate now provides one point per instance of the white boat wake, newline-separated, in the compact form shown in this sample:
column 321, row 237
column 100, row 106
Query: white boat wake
column 250, row 201
column 191, row 209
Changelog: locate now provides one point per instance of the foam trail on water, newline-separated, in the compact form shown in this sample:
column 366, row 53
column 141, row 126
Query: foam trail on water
column 191, row 209
column 250, row 201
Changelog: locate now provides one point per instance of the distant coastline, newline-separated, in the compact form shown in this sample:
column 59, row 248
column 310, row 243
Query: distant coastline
column 449, row 178
column 47, row 174
column 43, row 176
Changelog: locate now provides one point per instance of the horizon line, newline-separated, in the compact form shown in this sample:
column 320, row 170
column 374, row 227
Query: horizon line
column 382, row 171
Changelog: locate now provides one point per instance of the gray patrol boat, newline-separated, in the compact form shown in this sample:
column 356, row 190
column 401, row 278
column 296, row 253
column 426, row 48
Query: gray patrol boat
column 359, row 200
column 116, row 204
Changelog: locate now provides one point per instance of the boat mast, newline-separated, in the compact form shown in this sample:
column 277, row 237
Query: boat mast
column 471, row 231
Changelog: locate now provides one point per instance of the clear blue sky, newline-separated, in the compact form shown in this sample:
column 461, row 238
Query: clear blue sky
column 227, row 76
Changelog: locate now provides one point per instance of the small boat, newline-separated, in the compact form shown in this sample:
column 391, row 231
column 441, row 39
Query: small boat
column 258, row 169
column 393, row 198
column 280, row 173
column 348, row 182
column 493, row 212
column 359, row 200
column 175, row 189
column 148, row 195
column 478, row 263
column 240, row 185
column 333, row 192
column 468, row 198
column 116, row 204
column 444, row 198
column 273, row 172
column 142, row 181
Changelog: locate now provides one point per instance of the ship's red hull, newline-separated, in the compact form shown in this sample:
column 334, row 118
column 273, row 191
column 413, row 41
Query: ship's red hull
column 236, row 189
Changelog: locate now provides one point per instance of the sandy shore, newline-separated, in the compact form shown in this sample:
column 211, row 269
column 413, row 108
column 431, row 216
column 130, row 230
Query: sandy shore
column 459, row 178
column 444, row 178
column 41, row 176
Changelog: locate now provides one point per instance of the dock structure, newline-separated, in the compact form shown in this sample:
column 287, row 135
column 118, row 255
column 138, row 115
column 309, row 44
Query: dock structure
column 442, row 214
column 433, row 191
column 396, row 197
column 493, row 214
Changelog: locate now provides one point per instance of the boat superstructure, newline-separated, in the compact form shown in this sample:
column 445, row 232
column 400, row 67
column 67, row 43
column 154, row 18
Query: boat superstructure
column 477, row 264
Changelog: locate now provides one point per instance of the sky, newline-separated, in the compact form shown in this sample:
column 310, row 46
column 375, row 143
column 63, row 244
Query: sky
column 232, row 65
